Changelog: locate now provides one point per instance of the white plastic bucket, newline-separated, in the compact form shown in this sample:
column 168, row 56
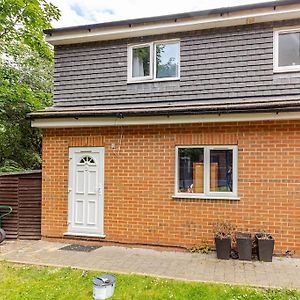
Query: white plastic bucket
column 104, row 286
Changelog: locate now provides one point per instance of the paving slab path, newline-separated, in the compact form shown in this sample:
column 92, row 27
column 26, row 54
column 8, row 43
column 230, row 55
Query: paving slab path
column 281, row 273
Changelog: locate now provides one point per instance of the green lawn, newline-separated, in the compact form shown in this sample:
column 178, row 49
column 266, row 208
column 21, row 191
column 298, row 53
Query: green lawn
column 31, row 282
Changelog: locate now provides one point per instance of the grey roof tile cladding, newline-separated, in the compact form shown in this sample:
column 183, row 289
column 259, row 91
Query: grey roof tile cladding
column 220, row 69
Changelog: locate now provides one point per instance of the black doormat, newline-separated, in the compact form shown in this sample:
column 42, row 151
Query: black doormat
column 79, row 248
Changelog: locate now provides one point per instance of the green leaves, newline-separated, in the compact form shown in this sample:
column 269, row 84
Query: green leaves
column 23, row 88
column 26, row 63
column 24, row 21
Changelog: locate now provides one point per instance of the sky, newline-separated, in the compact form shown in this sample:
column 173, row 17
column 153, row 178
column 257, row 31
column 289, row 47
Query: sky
column 81, row 12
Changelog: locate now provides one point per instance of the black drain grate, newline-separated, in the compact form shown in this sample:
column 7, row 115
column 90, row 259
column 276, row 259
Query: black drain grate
column 79, row 248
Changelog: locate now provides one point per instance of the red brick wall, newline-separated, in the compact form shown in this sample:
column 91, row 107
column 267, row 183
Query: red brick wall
column 139, row 182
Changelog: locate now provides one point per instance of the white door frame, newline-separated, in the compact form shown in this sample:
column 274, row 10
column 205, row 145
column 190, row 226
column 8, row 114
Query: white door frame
column 99, row 153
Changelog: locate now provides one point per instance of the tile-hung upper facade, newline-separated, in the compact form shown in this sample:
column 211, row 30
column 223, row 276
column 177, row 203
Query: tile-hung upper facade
column 229, row 65
column 235, row 59
column 161, row 127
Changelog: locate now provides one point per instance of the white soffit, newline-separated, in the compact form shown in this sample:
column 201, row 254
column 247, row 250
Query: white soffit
column 185, row 24
column 161, row 120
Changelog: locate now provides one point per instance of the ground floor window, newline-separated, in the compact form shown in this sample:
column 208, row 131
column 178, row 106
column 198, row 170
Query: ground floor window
column 206, row 171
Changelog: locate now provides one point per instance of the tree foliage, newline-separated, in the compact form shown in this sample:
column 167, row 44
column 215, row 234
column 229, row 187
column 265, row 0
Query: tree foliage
column 25, row 79
column 23, row 21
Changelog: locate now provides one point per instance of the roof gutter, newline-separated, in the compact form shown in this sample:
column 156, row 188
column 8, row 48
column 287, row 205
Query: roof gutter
column 215, row 117
column 170, row 24
column 224, row 108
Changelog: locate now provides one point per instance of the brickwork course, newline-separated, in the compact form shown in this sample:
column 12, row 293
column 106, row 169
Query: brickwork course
column 140, row 175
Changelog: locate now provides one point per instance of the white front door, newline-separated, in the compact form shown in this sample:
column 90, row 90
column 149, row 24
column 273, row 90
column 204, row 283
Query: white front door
column 86, row 183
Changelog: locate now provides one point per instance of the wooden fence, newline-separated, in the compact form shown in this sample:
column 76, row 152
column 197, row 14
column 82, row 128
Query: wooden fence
column 22, row 191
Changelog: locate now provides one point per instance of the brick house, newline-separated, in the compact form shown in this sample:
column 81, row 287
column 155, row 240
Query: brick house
column 162, row 126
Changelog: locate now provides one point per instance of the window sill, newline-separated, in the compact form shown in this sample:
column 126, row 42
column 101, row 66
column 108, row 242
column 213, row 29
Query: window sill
column 153, row 80
column 205, row 197
column 286, row 70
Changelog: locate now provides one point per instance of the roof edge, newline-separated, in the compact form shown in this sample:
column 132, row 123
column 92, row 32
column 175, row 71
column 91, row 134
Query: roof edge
column 213, row 117
column 225, row 109
column 237, row 16
column 128, row 22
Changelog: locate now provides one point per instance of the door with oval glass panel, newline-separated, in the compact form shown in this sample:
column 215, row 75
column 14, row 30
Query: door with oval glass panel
column 86, row 182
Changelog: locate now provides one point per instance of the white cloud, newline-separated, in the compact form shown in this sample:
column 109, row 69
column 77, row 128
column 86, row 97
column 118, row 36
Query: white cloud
column 79, row 12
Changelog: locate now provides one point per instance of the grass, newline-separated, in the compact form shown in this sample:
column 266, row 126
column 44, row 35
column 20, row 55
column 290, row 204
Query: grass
column 32, row 282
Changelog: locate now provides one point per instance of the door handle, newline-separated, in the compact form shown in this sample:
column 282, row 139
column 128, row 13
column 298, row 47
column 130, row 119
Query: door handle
column 100, row 190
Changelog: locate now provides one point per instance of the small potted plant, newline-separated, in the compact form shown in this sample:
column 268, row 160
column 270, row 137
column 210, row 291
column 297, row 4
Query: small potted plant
column 265, row 246
column 223, row 232
column 244, row 245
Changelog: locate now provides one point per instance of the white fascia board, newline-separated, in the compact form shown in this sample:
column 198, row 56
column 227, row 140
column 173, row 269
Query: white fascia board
column 181, row 25
column 161, row 120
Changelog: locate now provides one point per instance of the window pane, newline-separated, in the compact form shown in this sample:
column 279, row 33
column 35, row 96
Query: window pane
column 289, row 49
column 141, row 61
column 191, row 170
column 221, row 170
column 167, row 60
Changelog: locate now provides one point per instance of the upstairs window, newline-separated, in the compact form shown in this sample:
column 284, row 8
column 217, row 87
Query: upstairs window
column 287, row 50
column 153, row 61
column 141, row 57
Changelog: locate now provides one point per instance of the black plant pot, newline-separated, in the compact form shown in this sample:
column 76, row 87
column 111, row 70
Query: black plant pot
column 244, row 246
column 223, row 247
column 265, row 248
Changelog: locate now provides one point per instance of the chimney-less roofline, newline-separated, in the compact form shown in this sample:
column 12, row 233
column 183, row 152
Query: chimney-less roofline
column 217, row 18
column 202, row 13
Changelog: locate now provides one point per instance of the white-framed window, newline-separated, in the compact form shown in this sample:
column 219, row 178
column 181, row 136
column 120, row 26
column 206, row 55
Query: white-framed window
column 287, row 50
column 155, row 61
column 208, row 172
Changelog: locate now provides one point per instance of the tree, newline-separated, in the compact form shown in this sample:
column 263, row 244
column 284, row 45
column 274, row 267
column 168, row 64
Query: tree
column 24, row 21
column 26, row 62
